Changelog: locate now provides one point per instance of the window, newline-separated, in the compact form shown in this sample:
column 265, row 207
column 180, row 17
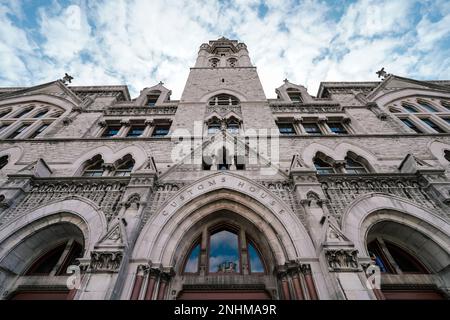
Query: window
column 223, row 100
column 224, row 252
column 95, row 169
column 337, row 128
column 18, row 131
column 40, row 114
column 445, row 104
column 3, row 126
column 3, row 161
column 124, row 170
column 411, row 125
column 4, row 112
column 255, row 262
column 447, row 155
column 403, row 260
column 312, row 128
column 135, row 131
column 322, row 167
column 447, row 120
column 427, row 106
column 233, row 127
column 294, row 95
column 232, row 62
column 22, row 113
column 56, row 260
column 152, row 99
column 394, row 110
column 192, row 263
column 214, row 62
column 161, row 130
column 286, row 128
column 111, row 131
column 354, row 167
column 433, row 125
column 409, row 108
column 38, row 131
column 213, row 127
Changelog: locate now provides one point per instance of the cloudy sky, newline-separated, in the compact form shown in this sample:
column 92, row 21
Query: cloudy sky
column 140, row 42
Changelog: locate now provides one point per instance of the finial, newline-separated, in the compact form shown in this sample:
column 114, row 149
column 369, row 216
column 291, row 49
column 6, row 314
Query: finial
column 382, row 73
column 67, row 78
column 286, row 80
column 161, row 83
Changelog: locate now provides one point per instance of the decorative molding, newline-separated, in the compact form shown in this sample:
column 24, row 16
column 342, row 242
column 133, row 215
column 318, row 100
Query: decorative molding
column 105, row 261
column 342, row 260
column 133, row 110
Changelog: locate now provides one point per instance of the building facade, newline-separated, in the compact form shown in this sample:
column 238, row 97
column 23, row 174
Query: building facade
column 225, row 193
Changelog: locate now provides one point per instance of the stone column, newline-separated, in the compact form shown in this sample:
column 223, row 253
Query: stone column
column 284, row 278
column 139, row 279
column 163, row 285
column 310, row 285
column 153, row 278
column 293, row 271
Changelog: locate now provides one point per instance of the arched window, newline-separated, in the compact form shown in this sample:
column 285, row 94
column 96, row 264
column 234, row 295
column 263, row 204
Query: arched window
column 23, row 113
column 223, row 100
column 409, row 108
column 394, row 110
column 94, row 168
column 224, row 253
column 445, row 104
column 426, row 105
column 323, row 167
column 232, row 62
column 214, row 62
column 233, row 126
column 214, row 126
column 124, row 169
column 4, row 112
column 382, row 252
column 3, row 161
column 354, row 167
column 56, row 260
column 294, row 95
column 40, row 114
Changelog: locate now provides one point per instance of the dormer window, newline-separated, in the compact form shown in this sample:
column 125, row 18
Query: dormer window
column 152, row 99
column 214, row 127
column 294, row 95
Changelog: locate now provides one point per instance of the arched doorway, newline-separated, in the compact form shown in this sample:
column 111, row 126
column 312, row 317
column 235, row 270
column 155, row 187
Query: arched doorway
column 225, row 257
column 36, row 268
column 412, row 266
column 184, row 221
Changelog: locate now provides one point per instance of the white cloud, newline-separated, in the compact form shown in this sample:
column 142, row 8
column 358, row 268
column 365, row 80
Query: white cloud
column 139, row 42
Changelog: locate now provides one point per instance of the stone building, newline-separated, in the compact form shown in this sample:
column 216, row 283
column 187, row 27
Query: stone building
column 225, row 193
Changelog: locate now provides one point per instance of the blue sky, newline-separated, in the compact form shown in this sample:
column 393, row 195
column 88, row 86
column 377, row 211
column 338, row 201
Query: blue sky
column 139, row 42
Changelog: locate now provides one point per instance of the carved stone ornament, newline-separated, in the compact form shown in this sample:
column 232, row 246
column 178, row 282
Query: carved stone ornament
column 105, row 261
column 342, row 260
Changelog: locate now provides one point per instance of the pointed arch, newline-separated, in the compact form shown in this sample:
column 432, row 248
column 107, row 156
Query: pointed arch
column 14, row 154
column 371, row 208
column 287, row 236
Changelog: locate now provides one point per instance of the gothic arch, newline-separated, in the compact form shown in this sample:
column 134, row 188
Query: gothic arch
column 14, row 155
column 389, row 97
column 338, row 153
column 438, row 148
column 372, row 208
column 60, row 102
column 79, row 212
column 110, row 156
column 235, row 93
column 287, row 236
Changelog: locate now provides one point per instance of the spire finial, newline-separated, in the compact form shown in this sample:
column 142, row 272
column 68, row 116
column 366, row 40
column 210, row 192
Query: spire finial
column 67, row 78
column 382, row 73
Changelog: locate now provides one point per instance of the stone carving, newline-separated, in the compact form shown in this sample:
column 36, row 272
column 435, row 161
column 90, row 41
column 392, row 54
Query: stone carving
column 105, row 261
column 223, row 110
column 106, row 194
column 305, row 108
column 341, row 260
column 342, row 190
column 133, row 110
